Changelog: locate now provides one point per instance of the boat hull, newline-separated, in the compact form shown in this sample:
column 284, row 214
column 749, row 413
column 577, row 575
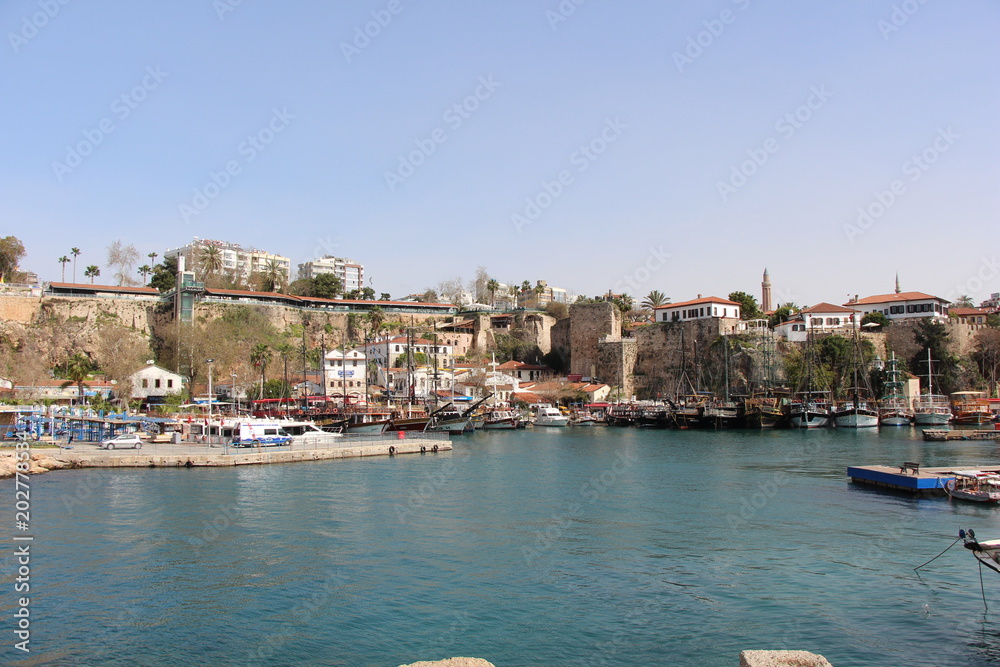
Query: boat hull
column 856, row 419
column 931, row 418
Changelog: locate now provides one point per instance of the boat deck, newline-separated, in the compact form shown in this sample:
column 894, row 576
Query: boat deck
column 928, row 481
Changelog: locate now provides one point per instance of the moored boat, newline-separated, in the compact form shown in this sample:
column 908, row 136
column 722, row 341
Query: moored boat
column 810, row 411
column 498, row 419
column 986, row 552
column 855, row 414
column 971, row 408
column 893, row 409
column 549, row 416
column 974, row 485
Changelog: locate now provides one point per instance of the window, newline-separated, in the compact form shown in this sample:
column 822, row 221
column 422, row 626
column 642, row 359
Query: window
column 157, row 383
column 715, row 310
column 145, row 383
column 170, row 383
column 836, row 321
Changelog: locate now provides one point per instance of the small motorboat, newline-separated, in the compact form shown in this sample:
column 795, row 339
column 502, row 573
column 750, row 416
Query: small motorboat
column 974, row 485
column 987, row 553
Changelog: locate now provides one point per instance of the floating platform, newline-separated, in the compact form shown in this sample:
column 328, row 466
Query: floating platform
column 947, row 434
column 925, row 481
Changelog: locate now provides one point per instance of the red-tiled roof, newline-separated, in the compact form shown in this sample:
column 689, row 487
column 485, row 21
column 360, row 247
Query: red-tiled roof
column 886, row 298
column 824, row 307
column 152, row 291
column 698, row 302
column 965, row 312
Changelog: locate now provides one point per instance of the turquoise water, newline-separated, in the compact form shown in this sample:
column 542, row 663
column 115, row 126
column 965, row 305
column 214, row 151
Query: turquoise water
column 548, row 547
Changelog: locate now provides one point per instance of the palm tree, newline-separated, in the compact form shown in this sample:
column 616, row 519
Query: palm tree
column 152, row 258
column 285, row 350
column 492, row 286
column 260, row 356
column 92, row 272
column 273, row 276
column 655, row 299
column 144, row 270
column 211, row 260
column 375, row 318
column 78, row 367
column 965, row 301
column 75, row 252
column 64, row 260
column 512, row 293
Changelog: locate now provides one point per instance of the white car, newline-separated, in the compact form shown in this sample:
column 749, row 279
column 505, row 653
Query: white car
column 124, row 440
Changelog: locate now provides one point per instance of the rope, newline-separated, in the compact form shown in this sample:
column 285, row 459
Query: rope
column 938, row 556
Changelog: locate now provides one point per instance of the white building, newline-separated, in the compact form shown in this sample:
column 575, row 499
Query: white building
column 901, row 305
column 697, row 309
column 387, row 353
column 344, row 372
column 236, row 261
column 351, row 273
column 155, row 382
column 821, row 318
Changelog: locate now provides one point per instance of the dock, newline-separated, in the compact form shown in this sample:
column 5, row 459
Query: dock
column 915, row 479
column 193, row 454
column 947, row 434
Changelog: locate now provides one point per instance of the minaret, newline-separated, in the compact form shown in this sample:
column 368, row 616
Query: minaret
column 765, row 293
column 897, row 283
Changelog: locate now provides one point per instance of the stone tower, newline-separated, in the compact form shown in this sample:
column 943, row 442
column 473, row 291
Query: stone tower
column 765, row 293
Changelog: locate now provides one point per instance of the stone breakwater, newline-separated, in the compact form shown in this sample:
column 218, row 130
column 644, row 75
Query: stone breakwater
column 60, row 459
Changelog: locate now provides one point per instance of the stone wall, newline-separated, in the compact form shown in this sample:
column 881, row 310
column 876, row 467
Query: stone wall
column 19, row 308
column 590, row 324
column 616, row 365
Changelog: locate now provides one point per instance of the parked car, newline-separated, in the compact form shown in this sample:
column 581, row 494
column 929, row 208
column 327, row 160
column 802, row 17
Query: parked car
column 125, row 440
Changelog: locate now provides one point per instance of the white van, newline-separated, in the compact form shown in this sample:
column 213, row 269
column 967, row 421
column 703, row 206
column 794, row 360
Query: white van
column 260, row 434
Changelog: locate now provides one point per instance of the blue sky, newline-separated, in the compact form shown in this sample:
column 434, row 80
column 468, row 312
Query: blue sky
column 588, row 146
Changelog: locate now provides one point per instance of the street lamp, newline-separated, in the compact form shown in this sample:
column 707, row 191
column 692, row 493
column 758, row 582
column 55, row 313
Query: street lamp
column 233, row 394
column 209, row 425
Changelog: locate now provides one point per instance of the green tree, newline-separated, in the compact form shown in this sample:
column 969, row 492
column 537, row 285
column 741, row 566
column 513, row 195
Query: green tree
column 385, row 296
column 558, row 310
column 492, row 286
column 210, row 259
column 273, row 276
column 655, row 299
column 368, row 293
column 77, row 369
column 144, row 271
column 76, row 253
column 876, row 317
column 164, row 274
column 964, row 301
column 92, row 272
column 11, row 253
column 783, row 313
column 260, row 357
column 64, row 260
column 327, row 286
column 749, row 310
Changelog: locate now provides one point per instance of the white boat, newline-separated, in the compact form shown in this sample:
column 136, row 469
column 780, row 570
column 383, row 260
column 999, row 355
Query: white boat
column 855, row 415
column 974, row 485
column 549, row 416
column 583, row 418
column 893, row 410
column 307, row 434
column 931, row 409
column 987, row 552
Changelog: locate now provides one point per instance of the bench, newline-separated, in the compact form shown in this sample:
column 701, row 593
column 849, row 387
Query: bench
column 911, row 465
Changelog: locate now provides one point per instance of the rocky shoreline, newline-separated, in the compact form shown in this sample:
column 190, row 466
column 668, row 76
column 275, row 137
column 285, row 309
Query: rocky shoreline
column 40, row 462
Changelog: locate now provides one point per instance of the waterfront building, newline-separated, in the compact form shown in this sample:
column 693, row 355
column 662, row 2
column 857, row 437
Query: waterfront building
column 992, row 303
column 350, row 272
column 527, row 372
column 392, row 352
column 901, row 305
column 821, row 318
column 154, row 383
column 235, row 261
column 697, row 309
column 543, row 295
column 344, row 372
column 970, row 315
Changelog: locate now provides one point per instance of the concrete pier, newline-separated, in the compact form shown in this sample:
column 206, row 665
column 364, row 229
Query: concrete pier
column 190, row 455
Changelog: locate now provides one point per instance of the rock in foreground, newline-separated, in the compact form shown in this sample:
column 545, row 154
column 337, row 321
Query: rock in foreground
column 453, row 662
column 782, row 659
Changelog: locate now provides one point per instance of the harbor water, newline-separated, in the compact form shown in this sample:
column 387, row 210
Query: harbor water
column 563, row 546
